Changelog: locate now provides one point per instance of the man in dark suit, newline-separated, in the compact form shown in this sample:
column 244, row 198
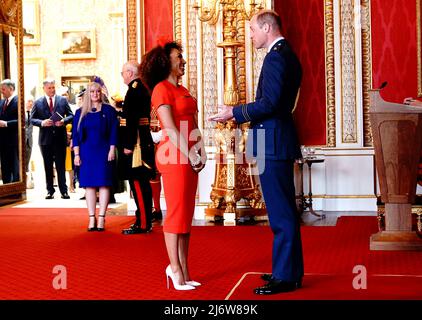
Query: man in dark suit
column 136, row 121
column 271, row 117
column 28, row 131
column 51, row 113
column 9, row 152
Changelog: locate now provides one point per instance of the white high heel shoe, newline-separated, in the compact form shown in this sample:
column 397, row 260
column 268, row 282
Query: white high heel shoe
column 170, row 274
column 193, row 283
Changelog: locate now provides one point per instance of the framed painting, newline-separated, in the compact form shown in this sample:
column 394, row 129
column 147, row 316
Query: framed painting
column 34, row 74
column 78, row 43
column 75, row 85
column 31, row 22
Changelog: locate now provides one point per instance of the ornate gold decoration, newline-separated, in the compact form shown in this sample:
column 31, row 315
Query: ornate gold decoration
column 348, row 74
column 192, row 51
column 366, row 69
column 416, row 210
column 9, row 13
column 132, row 43
column 209, row 79
column 330, row 79
column 233, row 176
column 11, row 23
column 178, row 20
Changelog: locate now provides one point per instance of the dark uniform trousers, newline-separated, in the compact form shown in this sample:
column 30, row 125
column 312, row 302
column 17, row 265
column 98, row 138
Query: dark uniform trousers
column 136, row 116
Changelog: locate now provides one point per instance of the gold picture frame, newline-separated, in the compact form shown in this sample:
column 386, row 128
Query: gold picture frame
column 31, row 22
column 75, row 84
column 34, row 74
column 77, row 43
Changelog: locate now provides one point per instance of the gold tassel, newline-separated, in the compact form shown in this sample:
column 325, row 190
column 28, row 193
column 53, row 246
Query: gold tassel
column 137, row 156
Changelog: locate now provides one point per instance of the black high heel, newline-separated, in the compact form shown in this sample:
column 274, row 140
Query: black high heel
column 94, row 228
column 101, row 216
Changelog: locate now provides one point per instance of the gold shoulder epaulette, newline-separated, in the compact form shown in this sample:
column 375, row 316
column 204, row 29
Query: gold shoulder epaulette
column 135, row 84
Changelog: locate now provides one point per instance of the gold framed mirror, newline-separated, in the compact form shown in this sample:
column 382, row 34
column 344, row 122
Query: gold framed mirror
column 13, row 185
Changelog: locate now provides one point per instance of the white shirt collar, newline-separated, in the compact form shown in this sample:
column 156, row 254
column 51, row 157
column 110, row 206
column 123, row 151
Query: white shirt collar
column 10, row 98
column 48, row 98
column 273, row 43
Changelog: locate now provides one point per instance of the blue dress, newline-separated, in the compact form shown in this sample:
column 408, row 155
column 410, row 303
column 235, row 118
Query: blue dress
column 96, row 133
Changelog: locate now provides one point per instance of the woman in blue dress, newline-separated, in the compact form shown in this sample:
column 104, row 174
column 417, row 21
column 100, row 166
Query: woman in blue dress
column 94, row 139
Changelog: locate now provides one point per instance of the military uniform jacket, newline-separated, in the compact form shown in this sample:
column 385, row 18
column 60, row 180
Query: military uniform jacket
column 136, row 112
column 271, row 113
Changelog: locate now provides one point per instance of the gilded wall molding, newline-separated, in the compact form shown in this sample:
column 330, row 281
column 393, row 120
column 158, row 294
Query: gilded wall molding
column 192, row 49
column 209, row 80
column 177, row 16
column 11, row 23
column 132, row 41
column 241, row 67
column 348, row 72
column 367, row 68
column 329, row 70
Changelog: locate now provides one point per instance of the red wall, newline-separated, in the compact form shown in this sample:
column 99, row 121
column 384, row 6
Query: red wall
column 394, row 56
column 303, row 27
column 158, row 22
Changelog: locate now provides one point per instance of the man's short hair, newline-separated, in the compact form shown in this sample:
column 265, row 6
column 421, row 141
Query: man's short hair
column 9, row 83
column 48, row 81
column 270, row 17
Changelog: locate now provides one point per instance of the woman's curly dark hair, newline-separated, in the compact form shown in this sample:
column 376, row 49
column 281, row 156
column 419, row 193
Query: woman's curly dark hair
column 156, row 65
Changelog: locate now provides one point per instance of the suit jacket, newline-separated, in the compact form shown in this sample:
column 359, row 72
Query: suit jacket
column 107, row 129
column 278, row 85
column 41, row 111
column 9, row 134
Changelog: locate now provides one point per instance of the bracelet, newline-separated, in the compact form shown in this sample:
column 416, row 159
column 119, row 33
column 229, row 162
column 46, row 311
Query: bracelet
column 196, row 162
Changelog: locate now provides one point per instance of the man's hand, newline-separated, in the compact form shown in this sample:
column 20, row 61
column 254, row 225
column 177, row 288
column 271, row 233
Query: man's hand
column 47, row 123
column 3, row 124
column 111, row 155
column 59, row 123
column 225, row 114
column 127, row 151
column 156, row 136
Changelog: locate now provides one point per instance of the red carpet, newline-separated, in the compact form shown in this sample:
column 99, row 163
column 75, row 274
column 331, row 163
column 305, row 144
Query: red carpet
column 109, row 265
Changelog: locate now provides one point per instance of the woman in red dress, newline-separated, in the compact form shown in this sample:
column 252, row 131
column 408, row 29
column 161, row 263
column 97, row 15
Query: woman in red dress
column 180, row 154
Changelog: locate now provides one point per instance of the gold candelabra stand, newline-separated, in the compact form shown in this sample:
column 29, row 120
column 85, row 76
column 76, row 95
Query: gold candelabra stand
column 233, row 179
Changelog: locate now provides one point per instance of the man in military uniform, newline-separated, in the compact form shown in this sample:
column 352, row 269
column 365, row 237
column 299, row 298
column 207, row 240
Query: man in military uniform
column 136, row 120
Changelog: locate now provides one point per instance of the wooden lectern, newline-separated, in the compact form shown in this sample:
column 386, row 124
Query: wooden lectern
column 397, row 137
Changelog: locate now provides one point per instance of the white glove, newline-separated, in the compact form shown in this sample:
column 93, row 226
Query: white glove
column 156, row 136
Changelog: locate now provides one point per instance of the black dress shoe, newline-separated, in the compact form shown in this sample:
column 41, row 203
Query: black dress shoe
column 267, row 277
column 49, row 196
column 278, row 286
column 65, row 196
column 135, row 229
column 157, row 215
